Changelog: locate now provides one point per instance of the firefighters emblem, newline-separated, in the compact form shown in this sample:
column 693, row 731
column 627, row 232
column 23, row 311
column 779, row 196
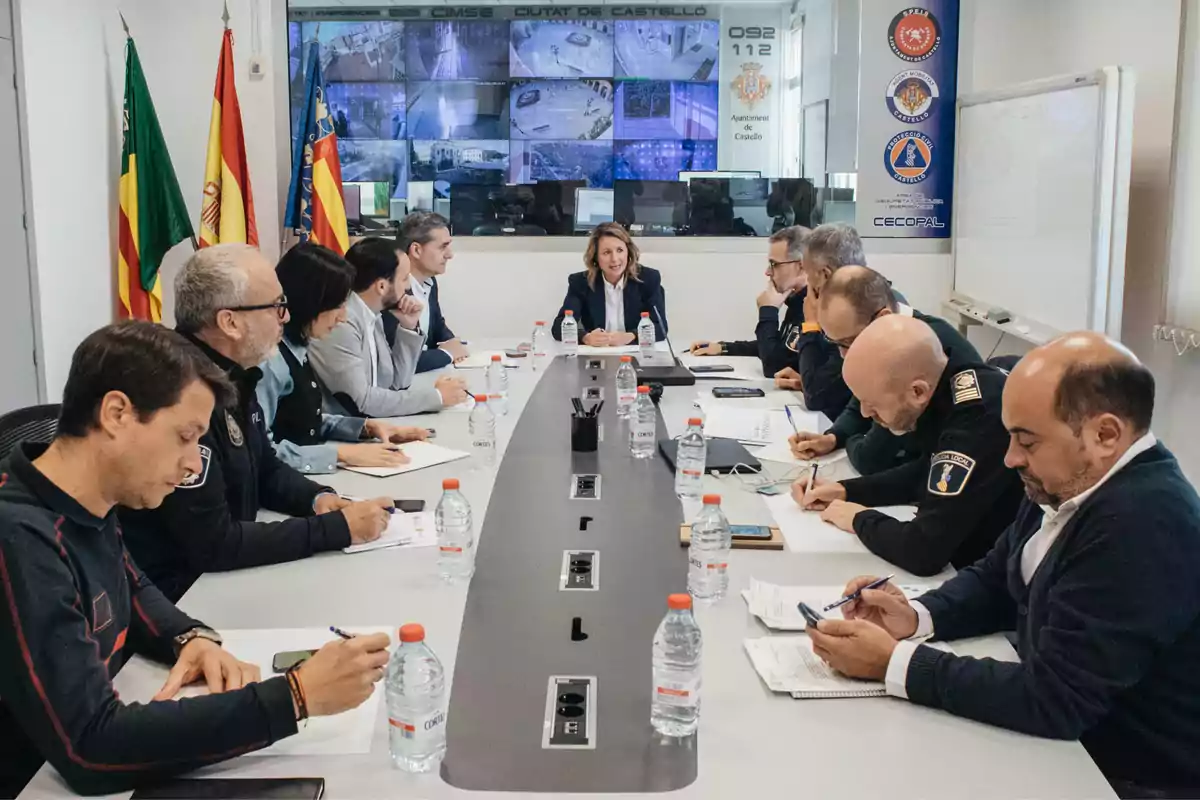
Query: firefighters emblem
column 914, row 34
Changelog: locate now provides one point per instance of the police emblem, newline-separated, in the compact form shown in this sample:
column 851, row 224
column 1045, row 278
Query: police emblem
column 792, row 340
column 949, row 472
column 911, row 96
column 197, row 479
column 235, row 431
column 909, row 157
column 966, row 387
column 751, row 86
column 914, row 34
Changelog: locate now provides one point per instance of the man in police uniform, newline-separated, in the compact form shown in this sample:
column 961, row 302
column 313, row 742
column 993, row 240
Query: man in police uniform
column 965, row 496
column 229, row 303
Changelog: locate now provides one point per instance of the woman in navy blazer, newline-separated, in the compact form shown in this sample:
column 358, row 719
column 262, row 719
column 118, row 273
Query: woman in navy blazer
column 612, row 265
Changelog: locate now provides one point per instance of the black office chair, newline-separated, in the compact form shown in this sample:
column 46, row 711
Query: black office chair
column 33, row 424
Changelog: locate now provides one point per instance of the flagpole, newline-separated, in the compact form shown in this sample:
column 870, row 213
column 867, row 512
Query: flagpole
column 225, row 15
column 125, row 25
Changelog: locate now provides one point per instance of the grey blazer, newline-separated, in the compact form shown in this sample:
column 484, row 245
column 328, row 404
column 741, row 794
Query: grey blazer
column 342, row 360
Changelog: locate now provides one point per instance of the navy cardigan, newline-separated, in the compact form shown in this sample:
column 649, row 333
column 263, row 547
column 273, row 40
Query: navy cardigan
column 644, row 294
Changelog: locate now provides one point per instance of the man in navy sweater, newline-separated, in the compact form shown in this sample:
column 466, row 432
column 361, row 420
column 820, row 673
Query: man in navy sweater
column 1097, row 575
column 425, row 237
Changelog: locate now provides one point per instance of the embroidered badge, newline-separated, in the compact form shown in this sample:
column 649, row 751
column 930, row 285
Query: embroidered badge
column 102, row 612
column 235, row 431
column 949, row 472
column 966, row 387
column 197, row 479
column 792, row 339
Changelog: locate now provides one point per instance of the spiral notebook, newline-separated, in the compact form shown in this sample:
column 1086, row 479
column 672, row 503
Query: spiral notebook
column 788, row 664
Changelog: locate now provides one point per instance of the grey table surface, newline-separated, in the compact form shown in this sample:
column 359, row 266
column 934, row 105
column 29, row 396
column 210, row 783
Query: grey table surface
column 751, row 742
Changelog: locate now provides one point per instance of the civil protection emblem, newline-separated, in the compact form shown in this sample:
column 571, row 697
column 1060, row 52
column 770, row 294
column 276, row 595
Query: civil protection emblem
column 751, row 86
column 911, row 96
column 235, row 431
column 909, row 156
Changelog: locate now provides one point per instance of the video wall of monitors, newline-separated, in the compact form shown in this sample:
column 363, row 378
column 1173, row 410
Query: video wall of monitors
column 425, row 105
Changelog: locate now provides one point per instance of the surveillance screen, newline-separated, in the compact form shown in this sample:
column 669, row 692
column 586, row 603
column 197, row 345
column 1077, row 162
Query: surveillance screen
column 365, row 161
column 673, row 51
column 580, row 109
column 482, row 162
column 662, row 159
column 357, row 51
column 456, row 51
column 651, row 208
column 457, row 110
column 562, row 161
column 561, row 49
column 666, row 110
column 367, row 110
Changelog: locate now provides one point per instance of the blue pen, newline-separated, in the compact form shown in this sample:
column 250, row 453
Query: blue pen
column 341, row 632
column 788, row 410
column 857, row 594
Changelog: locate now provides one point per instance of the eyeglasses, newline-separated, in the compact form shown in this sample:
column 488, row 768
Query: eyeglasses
column 280, row 306
column 773, row 264
column 845, row 343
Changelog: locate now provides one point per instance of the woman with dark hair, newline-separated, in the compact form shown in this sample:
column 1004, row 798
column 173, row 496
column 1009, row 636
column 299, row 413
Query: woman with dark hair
column 317, row 283
column 609, row 297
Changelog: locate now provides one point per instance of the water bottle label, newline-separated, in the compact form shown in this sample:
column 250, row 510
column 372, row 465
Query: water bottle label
column 692, row 473
column 677, row 693
column 483, row 444
column 446, row 549
column 643, row 435
column 625, row 399
column 708, row 565
column 419, row 728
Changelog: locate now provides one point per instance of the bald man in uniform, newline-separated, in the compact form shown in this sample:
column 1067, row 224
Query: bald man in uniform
column 964, row 494
column 1097, row 575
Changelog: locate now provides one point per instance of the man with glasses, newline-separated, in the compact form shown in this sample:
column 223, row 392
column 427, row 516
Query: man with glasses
column 786, row 286
column 852, row 299
column 229, row 303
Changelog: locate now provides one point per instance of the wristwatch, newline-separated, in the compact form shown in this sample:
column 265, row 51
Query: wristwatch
column 199, row 632
column 810, row 327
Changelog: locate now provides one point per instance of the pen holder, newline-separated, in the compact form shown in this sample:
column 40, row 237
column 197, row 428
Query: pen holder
column 585, row 434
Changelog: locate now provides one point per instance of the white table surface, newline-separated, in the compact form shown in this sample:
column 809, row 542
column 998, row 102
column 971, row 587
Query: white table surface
column 752, row 742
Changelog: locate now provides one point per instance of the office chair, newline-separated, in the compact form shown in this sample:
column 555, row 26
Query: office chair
column 32, row 424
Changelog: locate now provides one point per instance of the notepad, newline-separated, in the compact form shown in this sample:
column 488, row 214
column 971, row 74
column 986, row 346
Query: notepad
column 805, row 531
column 782, row 452
column 403, row 530
column 420, row 455
column 756, row 426
column 480, row 360
column 788, row 664
column 776, row 606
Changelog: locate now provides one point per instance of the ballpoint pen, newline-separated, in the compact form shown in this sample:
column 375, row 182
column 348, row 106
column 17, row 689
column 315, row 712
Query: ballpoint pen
column 788, row 410
column 341, row 632
column 858, row 593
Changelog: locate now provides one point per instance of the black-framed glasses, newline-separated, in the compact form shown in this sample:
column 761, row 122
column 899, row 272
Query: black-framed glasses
column 772, row 264
column 280, row 306
column 845, row 343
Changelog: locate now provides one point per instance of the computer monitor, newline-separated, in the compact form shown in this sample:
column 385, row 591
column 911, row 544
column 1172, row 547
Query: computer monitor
column 352, row 201
column 688, row 176
column 651, row 208
column 592, row 206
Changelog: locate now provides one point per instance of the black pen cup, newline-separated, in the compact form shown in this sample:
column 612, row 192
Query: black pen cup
column 585, row 434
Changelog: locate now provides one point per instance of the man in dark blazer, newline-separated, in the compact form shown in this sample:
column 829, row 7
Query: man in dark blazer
column 425, row 238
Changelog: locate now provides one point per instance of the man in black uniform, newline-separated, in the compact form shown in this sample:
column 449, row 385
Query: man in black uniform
column 965, row 496
column 785, row 288
column 229, row 303
column 852, row 299
column 74, row 605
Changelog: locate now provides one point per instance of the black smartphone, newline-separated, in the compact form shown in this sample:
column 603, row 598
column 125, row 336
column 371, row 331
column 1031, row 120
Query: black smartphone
column 749, row 531
column 284, row 661
column 726, row 392
column 410, row 506
column 701, row 369
column 811, row 616
column 516, row 353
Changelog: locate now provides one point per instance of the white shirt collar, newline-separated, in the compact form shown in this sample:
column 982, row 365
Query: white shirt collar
column 1069, row 507
column 904, row 310
column 619, row 287
column 359, row 306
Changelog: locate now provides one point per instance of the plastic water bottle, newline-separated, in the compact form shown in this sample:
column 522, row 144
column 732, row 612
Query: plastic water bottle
column 538, row 344
column 626, row 387
column 708, row 556
column 690, row 460
column 675, row 702
column 497, row 383
column 456, row 535
column 570, row 334
column 643, row 428
column 416, row 703
column 482, row 426
column 645, row 332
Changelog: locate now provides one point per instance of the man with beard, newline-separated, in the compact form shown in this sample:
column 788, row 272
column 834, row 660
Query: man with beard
column 228, row 302
column 1097, row 575
column 965, row 496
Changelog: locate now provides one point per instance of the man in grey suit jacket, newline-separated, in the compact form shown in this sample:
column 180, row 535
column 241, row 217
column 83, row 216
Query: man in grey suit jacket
column 362, row 374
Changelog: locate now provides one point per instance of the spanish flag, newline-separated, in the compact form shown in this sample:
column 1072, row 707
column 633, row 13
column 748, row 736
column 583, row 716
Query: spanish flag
column 314, row 205
column 153, row 218
column 227, row 210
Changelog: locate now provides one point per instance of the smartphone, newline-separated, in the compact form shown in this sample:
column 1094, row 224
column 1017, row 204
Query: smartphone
column 410, row 506
column 516, row 353
column 701, row 369
column 772, row 489
column 284, row 661
column 432, row 433
column 749, row 531
column 811, row 616
column 737, row 391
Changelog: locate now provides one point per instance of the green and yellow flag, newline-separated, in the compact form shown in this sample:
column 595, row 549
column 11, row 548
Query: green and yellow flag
column 153, row 218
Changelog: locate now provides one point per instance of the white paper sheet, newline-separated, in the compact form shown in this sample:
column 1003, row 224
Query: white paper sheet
column 776, row 605
column 788, row 664
column 349, row 733
column 481, row 360
column 403, row 530
column 805, row 532
column 782, row 452
column 420, row 454
column 762, row 426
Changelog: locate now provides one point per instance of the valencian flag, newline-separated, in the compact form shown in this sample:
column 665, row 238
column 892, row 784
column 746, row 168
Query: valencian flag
column 227, row 210
column 153, row 218
column 315, row 198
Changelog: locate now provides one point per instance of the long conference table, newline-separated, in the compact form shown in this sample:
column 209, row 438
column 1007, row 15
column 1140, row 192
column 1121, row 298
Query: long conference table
column 513, row 625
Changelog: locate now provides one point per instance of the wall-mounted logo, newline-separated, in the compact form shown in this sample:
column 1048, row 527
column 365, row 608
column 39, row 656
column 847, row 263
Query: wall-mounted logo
column 909, row 156
column 751, row 86
column 914, row 34
column 912, row 95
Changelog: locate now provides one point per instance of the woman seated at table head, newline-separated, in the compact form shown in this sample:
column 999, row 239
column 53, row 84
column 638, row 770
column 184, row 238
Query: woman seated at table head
column 608, row 298
column 317, row 283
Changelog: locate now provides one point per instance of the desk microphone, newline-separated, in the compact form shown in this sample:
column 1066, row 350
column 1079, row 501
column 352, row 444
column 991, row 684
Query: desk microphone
column 666, row 335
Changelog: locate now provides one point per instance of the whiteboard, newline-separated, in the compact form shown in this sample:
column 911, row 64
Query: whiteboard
column 1041, row 200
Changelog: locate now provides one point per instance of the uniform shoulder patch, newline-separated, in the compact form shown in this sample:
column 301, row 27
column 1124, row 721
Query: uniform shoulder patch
column 966, row 387
column 197, row 479
column 949, row 472
column 792, row 339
